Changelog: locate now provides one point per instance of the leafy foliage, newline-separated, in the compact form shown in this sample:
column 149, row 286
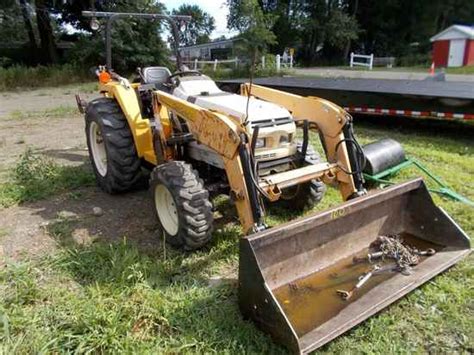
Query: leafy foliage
column 247, row 17
column 320, row 30
column 340, row 29
column 198, row 29
column 11, row 28
column 135, row 42
column 325, row 31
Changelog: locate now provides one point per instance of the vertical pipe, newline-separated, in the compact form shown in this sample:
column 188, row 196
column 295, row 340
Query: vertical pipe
column 108, row 41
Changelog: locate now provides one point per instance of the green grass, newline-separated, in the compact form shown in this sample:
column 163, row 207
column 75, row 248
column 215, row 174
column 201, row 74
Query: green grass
column 56, row 112
column 17, row 77
column 461, row 70
column 118, row 298
column 467, row 70
column 36, row 177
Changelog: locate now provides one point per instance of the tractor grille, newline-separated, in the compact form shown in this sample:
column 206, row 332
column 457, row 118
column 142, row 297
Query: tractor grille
column 265, row 156
column 273, row 122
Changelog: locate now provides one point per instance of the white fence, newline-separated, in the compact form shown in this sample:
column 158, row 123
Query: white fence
column 367, row 60
column 280, row 62
column 196, row 64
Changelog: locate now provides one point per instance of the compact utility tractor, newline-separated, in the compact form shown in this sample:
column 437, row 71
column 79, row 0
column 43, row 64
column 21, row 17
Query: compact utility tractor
column 195, row 140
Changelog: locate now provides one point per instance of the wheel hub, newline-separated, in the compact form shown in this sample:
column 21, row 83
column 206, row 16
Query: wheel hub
column 99, row 154
column 166, row 210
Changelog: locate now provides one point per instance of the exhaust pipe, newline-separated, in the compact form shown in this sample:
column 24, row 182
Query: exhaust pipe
column 289, row 275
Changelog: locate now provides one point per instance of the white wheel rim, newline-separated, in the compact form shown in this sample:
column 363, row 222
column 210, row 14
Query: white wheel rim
column 99, row 154
column 166, row 209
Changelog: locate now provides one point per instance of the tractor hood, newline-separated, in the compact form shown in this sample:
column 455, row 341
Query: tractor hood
column 203, row 92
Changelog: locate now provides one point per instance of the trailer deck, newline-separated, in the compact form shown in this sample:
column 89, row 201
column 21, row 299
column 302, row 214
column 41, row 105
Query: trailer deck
column 415, row 98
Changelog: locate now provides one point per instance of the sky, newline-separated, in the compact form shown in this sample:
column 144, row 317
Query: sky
column 216, row 8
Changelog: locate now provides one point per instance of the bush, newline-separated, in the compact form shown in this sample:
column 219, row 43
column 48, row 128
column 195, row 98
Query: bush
column 33, row 77
column 36, row 177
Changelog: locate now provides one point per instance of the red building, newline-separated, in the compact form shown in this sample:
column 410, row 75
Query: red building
column 454, row 47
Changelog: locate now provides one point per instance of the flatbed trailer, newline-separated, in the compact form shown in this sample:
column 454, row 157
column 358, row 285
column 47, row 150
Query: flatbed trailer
column 446, row 100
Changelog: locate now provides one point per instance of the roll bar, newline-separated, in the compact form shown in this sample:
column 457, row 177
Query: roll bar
column 112, row 16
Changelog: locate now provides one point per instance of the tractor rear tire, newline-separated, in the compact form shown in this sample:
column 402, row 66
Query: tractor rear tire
column 308, row 194
column 182, row 205
column 112, row 151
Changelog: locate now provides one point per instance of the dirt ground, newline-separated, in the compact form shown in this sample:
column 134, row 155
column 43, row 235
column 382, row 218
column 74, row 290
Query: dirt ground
column 27, row 230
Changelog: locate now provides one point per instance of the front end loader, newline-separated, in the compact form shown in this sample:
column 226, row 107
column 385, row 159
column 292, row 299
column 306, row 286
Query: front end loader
column 304, row 282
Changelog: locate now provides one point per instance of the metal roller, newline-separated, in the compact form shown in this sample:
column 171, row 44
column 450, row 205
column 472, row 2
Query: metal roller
column 382, row 155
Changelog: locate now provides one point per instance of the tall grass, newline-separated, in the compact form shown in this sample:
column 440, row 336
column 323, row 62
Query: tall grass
column 21, row 77
column 17, row 76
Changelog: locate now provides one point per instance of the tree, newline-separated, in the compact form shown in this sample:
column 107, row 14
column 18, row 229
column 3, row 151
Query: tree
column 11, row 30
column 317, row 28
column 135, row 42
column 43, row 20
column 197, row 30
column 340, row 29
column 402, row 28
column 25, row 13
column 247, row 17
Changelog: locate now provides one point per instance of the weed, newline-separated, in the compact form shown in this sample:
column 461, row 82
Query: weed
column 20, row 285
column 35, row 177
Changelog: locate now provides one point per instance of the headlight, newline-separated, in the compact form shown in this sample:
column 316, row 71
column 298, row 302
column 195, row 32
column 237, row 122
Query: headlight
column 260, row 143
column 286, row 139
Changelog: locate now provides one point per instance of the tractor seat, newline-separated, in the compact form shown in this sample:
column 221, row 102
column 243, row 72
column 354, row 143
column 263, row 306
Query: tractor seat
column 155, row 75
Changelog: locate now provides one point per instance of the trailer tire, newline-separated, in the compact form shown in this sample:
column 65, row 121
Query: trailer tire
column 112, row 151
column 308, row 194
column 182, row 205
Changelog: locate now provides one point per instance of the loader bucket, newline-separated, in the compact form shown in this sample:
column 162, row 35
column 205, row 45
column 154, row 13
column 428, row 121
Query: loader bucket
column 288, row 275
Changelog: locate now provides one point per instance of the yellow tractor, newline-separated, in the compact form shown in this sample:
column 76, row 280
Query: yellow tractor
column 300, row 282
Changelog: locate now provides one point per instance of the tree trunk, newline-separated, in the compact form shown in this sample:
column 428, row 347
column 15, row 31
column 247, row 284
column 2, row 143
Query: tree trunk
column 28, row 25
column 48, row 46
column 349, row 43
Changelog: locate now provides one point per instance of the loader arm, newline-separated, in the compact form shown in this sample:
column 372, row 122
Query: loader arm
column 329, row 119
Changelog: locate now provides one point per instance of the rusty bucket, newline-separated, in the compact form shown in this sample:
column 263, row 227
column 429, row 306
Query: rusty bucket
column 289, row 275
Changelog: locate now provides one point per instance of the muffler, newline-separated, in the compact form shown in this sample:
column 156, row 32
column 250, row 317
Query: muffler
column 290, row 276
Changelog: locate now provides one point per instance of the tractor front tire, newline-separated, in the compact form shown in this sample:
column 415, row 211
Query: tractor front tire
column 112, row 152
column 182, row 205
column 308, row 194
